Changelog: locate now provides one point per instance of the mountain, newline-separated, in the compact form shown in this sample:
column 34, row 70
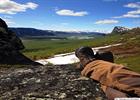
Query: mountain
column 24, row 32
column 31, row 32
column 123, row 30
column 78, row 33
column 120, row 29
column 135, row 31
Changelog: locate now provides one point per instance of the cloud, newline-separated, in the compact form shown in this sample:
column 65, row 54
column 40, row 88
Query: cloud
column 131, row 14
column 66, row 12
column 106, row 21
column 133, row 5
column 128, row 16
column 11, row 7
column 7, row 16
column 9, row 21
column 134, row 12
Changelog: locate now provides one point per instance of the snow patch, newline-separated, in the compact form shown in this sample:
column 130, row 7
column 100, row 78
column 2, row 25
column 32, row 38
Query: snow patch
column 68, row 58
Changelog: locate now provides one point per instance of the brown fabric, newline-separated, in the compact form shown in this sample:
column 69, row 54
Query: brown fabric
column 113, row 93
column 113, row 75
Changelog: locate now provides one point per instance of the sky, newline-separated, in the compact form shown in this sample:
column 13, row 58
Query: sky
column 71, row 15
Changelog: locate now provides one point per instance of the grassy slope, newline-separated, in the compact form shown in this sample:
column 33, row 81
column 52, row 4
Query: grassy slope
column 130, row 54
column 127, row 54
column 37, row 48
column 133, row 62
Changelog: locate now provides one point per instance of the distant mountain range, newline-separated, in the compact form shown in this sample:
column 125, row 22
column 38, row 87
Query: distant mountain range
column 124, row 30
column 27, row 32
column 32, row 32
column 120, row 29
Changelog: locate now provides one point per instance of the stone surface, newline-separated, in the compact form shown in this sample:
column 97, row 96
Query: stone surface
column 10, row 45
column 47, row 83
column 3, row 24
column 26, row 82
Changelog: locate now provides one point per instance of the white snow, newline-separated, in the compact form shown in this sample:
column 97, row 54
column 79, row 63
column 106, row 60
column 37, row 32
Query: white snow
column 68, row 58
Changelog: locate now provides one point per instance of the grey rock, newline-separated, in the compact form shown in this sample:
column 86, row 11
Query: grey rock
column 57, row 83
column 10, row 46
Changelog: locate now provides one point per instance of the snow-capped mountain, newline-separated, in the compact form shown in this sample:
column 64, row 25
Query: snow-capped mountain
column 120, row 29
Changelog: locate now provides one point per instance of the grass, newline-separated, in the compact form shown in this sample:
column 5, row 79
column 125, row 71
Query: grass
column 128, row 54
column 44, row 48
column 133, row 62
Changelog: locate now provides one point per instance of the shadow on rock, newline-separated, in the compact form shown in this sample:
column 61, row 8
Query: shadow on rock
column 10, row 46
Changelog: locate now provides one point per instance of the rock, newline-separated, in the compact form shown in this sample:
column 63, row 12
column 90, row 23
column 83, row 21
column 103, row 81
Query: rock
column 28, row 82
column 62, row 95
column 57, row 83
column 10, row 46
column 3, row 24
column 135, row 31
column 119, row 29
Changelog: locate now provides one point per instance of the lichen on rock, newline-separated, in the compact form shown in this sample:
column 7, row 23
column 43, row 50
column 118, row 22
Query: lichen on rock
column 48, row 83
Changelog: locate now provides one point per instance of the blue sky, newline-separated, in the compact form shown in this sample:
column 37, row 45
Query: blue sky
column 71, row 15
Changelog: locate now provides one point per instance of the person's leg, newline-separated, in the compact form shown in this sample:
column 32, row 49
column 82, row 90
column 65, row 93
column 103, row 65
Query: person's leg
column 113, row 93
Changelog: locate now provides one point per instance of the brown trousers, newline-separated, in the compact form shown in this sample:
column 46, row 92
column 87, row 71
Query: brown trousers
column 113, row 93
column 113, row 77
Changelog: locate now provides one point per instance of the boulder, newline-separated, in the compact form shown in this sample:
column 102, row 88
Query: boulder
column 47, row 83
column 10, row 46
column 3, row 24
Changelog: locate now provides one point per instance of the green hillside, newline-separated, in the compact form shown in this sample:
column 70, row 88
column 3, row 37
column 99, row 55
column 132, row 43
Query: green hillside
column 128, row 53
column 43, row 48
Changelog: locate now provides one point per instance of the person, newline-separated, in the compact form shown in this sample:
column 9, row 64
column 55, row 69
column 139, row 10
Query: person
column 116, row 80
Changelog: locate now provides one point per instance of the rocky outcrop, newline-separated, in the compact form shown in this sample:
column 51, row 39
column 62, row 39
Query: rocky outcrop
column 10, row 45
column 3, row 24
column 27, row 82
column 135, row 31
column 119, row 29
column 47, row 83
